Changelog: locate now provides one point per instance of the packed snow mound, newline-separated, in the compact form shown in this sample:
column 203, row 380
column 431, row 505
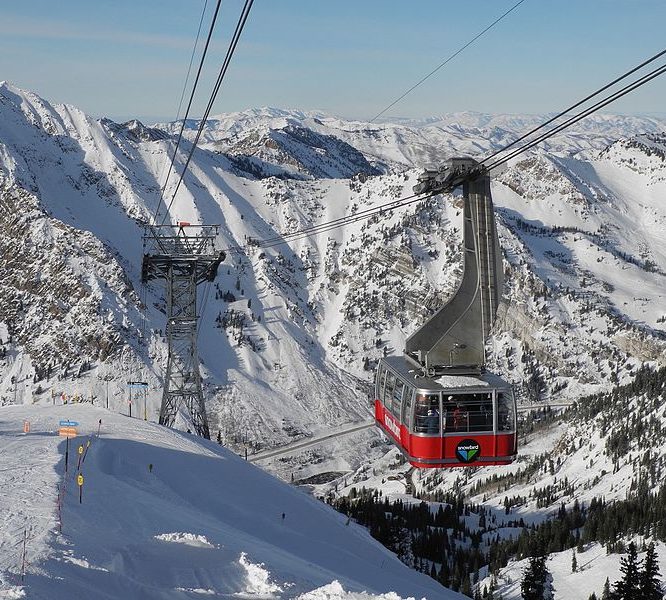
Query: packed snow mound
column 334, row 591
column 163, row 514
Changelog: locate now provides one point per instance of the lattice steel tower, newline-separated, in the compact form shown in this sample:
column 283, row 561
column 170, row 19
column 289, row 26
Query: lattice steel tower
column 184, row 256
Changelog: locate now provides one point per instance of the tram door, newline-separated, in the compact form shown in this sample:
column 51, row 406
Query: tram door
column 406, row 416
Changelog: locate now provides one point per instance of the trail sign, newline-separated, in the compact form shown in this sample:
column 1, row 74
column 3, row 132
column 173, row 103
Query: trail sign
column 67, row 423
column 68, row 432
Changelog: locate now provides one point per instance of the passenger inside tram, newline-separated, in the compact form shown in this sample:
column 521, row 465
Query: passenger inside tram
column 468, row 412
column 427, row 414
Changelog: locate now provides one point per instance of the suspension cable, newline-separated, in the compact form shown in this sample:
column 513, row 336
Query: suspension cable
column 329, row 225
column 369, row 212
column 573, row 106
column 182, row 97
column 223, row 70
column 447, row 61
column 581, row 115
column 189, row 104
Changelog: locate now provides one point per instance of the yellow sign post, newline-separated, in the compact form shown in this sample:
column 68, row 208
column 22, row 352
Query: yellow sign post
column 79, row 480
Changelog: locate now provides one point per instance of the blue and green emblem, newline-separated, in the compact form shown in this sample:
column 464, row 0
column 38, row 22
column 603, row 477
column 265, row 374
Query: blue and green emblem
column 468, row 451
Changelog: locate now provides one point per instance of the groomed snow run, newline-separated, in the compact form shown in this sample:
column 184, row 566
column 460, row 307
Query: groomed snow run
column 202, row 523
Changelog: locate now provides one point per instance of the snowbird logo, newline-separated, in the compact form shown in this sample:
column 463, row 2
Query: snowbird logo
column 468, row 451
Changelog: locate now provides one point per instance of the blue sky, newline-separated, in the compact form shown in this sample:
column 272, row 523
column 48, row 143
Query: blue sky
column 348, row 57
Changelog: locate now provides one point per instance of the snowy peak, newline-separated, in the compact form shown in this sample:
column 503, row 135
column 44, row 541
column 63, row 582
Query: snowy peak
column 294, row 151
column 35, row 110
column 135, row 130
column 644, row 154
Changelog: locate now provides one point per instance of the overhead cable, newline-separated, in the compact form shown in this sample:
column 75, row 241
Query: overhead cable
column 581, row 115
column 573, row 106
column 447, row 61
column 189, row 104
column 220, row 78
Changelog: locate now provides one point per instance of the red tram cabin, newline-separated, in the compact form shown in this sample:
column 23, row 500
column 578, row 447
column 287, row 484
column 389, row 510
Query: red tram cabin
column 455, row 421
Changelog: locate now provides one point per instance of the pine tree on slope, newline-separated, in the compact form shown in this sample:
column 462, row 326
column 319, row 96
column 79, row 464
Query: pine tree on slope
column 628, row 587
column 649, row 583
column 535, row 584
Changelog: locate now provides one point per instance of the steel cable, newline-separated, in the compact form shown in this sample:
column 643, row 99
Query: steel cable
column 189, row 104
column 223, row 70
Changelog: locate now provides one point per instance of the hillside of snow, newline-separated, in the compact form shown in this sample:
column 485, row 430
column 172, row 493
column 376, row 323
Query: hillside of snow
column 290, row 334
column 164, row 514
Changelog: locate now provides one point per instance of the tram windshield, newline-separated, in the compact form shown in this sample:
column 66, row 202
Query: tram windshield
column 468, row 412
column 427, row 417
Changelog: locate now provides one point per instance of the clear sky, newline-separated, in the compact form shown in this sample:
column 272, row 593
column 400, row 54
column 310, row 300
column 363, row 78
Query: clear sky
column 122, row 58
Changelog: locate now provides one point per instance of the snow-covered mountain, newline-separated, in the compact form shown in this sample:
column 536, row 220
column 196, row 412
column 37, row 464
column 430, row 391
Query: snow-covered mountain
column 289, row 334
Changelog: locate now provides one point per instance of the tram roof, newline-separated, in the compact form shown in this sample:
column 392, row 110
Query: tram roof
column 485, row 381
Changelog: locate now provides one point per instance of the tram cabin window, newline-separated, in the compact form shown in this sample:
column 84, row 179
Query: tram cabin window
column 397, row 397
column 427, row 417
column 407, row 403
column 388, row 389
column 505, row 416
column 381, row 380
column 468, row 412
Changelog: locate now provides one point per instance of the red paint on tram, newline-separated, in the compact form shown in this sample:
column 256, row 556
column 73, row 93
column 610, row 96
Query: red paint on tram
column 441, row 451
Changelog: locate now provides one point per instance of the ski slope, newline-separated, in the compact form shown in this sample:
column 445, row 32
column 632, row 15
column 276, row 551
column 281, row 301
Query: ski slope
column 202, row 523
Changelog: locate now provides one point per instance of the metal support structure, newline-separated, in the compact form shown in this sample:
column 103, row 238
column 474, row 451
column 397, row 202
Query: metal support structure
column 184, row 256
column 453, row 339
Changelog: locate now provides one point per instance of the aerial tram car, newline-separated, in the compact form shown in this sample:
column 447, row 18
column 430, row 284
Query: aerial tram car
column 438, row 403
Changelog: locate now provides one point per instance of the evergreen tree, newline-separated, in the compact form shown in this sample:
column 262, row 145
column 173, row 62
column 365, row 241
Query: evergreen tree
column 649, row 584
column 535, row 585
column 606, row 594
column 574, row 562
column 628, row 587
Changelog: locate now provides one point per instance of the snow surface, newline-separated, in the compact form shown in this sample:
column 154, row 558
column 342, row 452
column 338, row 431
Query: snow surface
column 594, row 566
column 203, row 523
